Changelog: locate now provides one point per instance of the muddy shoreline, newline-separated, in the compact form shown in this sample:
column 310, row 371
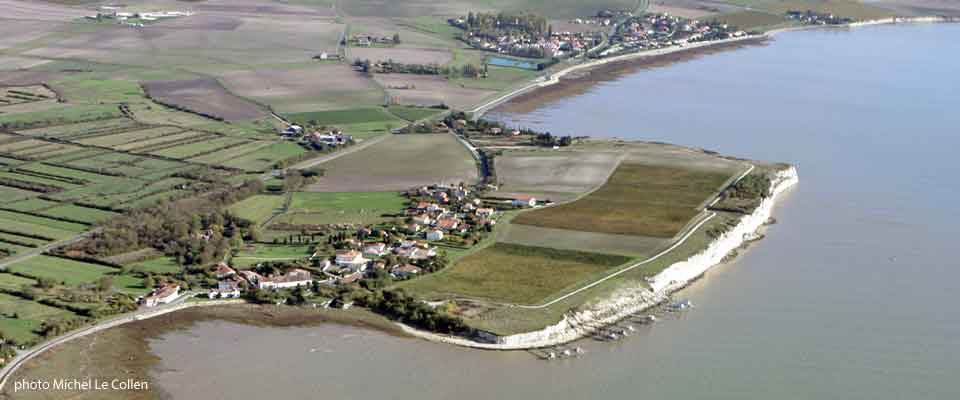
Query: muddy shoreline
column 124, row 351
column 580, row 82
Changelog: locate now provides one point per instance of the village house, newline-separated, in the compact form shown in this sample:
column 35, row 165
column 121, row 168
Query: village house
column 292, row 130
column 162, row 295
column 352, row 278
column 291, row 279
column 223, row 270
column 422, row 219
column 485, row 212
column 405, row 271
column 413, row 228
column 351, row 259
column 435, row 234
column 226, row 289
column 374, row 250
column 447, row 224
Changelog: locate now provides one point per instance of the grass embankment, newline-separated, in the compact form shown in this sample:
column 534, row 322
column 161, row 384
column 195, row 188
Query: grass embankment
column 515, row 274
column 638, row 199
column 124, row 352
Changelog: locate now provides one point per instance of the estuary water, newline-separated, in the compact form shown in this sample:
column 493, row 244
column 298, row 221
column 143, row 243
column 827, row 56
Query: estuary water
column 852, row 295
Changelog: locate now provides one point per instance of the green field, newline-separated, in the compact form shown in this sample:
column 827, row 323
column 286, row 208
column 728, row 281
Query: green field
column 20, row 318
column 14, row 282
column 265, row 158
column 342, row 207
column 61, row 270
column 259, row 253
column 41, row 221
column 61, row 115
column 638, row 199
column 77, row 213
column 259, row 208
column 515, row 274
column 752, row 20
column 159, row 265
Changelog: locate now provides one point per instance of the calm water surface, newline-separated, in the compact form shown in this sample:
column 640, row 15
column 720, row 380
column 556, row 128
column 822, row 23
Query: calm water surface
column 851, row 296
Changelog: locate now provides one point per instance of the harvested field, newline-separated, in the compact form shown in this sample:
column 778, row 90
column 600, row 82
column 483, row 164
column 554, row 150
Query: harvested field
column 527, row 235
column 401, row 55
column 557, row 175
column 427, row 90
column 514, row 274
column 638, row 199
column 320, row 87
column 206, row 96
column 398, row 163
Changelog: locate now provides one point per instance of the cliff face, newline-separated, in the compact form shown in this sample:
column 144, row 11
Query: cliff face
column 629, row 300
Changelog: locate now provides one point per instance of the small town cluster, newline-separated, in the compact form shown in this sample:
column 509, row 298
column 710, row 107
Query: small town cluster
column 438, row 216
column 654, row 31
column 522, row 36
column 814, row 18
